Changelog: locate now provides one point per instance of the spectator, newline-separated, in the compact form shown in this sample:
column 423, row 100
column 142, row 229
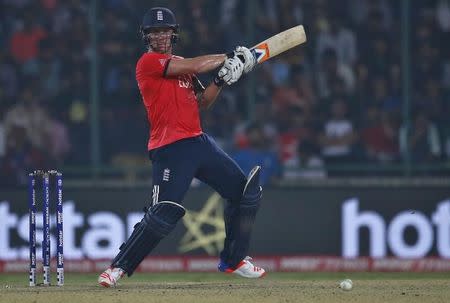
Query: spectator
column 232, row 21
column 58, row 142
column 48, row 68
column 24, row 43
column 21, row 156
column 295, row 125
column 381, row 140
column 263, row 116
column 9, row 76
column 258, row 153
column 338, row 136
column 30, row 114
column 379, row 56
column 371, row 13
column 421, row 139
column 432, row 100
column 309, row 166
column 330, row 71
column 280, row 71
column 339, row 38
column 297, row 93
column 443, row 15
column 374, row 26
column 382, row 96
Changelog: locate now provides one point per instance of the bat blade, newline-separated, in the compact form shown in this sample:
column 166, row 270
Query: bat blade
column 279, row 43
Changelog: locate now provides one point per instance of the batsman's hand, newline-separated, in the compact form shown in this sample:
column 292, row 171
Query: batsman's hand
column 231, row 70
column 246, row 56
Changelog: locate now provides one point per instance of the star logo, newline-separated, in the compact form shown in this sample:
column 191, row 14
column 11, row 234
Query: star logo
column 205, row 228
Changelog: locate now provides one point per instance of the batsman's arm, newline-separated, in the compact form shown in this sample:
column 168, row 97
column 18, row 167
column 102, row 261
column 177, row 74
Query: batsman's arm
column 208, row 96
column 197, row 65
column 205, row 96
column 229, row 73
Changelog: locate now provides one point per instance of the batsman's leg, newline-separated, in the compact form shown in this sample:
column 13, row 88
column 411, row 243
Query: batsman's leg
column 173, row 169
column 240, row 219
column 157, row 223
column 243, row 196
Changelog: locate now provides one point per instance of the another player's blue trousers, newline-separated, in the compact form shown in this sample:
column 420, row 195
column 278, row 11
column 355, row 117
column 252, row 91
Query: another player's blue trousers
column 176, row 164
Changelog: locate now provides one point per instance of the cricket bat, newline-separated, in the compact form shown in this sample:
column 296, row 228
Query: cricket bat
column 279, row 43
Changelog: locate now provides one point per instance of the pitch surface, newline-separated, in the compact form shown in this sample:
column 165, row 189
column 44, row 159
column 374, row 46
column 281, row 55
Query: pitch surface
column 217, row 287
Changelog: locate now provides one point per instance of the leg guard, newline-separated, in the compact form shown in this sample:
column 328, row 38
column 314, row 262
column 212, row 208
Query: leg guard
column 239, row 221
column 157, row 223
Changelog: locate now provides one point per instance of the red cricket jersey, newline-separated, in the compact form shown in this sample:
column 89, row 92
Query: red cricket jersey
column 172, row 109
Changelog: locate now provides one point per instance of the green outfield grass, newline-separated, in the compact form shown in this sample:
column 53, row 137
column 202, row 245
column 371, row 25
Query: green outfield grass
column 217, row 287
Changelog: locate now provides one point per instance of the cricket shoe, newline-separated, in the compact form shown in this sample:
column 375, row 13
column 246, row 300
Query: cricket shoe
column 109, row 277
column 245, row 269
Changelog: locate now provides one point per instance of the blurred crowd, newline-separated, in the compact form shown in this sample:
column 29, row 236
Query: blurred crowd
column 335, row 101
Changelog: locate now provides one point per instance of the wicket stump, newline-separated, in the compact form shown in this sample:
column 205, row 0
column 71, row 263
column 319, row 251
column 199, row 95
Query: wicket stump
column 46, row 257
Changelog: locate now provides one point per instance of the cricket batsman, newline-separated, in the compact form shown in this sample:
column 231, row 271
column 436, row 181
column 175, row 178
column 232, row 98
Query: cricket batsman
column 180, row 150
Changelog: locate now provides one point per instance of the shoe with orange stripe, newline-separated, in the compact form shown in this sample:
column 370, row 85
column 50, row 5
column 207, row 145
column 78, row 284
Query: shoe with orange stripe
column 109, row 277
column 245, row 269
